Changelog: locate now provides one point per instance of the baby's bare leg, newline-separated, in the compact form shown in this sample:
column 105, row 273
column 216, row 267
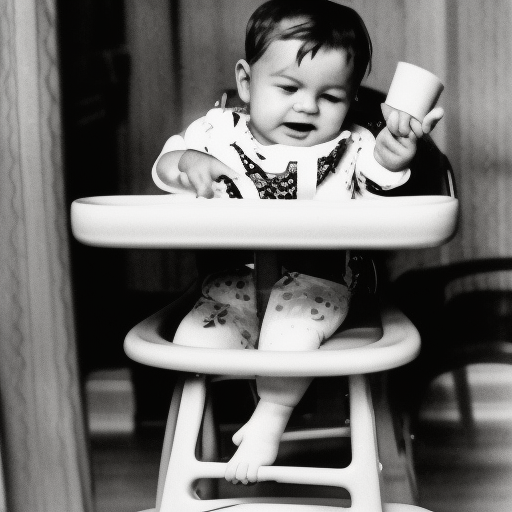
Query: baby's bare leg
column 302, row 312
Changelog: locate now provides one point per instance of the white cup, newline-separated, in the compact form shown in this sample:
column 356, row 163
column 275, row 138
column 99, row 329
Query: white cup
column 414, row 90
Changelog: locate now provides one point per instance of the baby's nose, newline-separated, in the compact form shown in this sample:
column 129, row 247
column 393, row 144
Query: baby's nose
column 306, row 104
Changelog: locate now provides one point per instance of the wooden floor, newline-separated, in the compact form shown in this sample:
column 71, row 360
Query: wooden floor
column 125, row 472
column 456, row 472
column 457, row 476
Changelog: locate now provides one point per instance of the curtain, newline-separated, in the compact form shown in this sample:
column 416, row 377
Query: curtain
column 44, row 446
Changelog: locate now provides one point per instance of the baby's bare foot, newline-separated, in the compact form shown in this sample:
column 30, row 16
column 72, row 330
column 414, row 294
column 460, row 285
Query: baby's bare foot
column 258, row 442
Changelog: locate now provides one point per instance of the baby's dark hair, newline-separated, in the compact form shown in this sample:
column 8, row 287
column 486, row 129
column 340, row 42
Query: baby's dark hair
column 321, row 23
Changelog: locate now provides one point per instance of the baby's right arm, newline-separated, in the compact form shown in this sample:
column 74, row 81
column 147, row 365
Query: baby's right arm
column 192, row 170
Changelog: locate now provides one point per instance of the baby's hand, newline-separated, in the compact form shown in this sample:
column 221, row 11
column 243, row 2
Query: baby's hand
column 201, row 170
column 395, row 145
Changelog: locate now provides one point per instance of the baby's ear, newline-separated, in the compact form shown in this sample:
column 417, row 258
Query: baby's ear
column 243, row 80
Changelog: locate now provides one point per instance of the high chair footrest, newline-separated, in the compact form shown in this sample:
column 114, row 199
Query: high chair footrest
column 269, row 507
column 275, row 507
column 280, row 507
column 402, row 507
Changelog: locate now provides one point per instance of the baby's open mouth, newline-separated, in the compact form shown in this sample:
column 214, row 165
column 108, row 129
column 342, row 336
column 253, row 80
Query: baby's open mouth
column 300, row 127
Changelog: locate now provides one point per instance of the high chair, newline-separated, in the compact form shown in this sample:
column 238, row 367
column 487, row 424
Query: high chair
column 171, row 222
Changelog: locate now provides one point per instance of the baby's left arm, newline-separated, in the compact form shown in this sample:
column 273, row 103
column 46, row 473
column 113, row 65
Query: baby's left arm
column 395, row 145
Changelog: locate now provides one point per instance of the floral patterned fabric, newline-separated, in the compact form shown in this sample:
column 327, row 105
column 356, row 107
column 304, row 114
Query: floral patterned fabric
column 226, row 314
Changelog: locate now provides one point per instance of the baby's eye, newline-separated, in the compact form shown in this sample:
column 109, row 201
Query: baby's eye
column 332, row 99
column 288, row 88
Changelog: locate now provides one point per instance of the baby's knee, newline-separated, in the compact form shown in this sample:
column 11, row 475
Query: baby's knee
column 300, row 315
column 213, row 325
column 290, row 335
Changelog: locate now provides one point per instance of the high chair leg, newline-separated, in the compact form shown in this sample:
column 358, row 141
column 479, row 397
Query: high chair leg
column 209, row 451
column 362, row 478
column 177, row 480
column 170, row 429
column 208, row 445
column 364, row 484
column 183, row 471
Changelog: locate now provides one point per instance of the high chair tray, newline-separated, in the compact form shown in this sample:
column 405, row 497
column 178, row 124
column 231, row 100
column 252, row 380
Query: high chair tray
column 183, row 221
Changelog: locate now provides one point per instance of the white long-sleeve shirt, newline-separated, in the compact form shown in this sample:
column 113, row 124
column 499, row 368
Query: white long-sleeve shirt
column 341, row 169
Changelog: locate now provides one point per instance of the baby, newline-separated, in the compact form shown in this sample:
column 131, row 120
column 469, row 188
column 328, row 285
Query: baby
column 304, row 63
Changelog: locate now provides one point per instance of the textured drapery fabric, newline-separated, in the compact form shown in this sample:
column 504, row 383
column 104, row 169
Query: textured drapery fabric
column 44, row 449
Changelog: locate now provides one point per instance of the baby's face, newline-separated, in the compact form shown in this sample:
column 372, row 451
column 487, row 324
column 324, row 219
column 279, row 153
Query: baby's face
column 299, row 105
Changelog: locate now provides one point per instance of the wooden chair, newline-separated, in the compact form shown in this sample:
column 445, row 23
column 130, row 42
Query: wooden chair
column 457, row 330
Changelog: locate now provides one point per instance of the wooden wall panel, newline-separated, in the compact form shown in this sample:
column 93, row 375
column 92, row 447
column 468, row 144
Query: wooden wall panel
column 381, row 19
column 154, row 101
column 212, row 40
column 155, row 113
column 480, row 53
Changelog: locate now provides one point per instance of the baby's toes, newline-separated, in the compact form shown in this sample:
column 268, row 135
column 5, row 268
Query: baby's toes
column 230, row 474
column 241, row 473
column 252, row 473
